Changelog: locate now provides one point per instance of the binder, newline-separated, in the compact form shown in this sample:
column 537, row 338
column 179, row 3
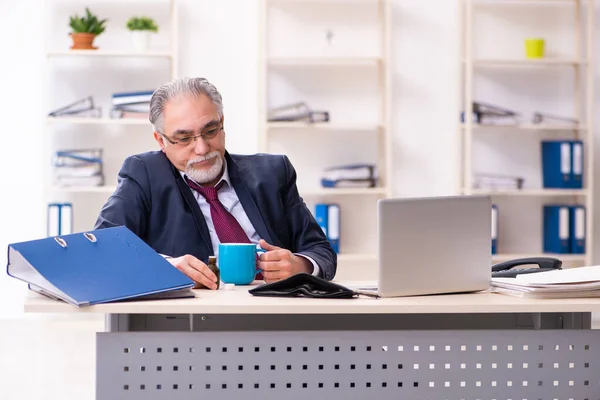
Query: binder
column 578, row 229
column 321, row 214
column 494, row 229
column 333, row 226
column 59, row 219
column 557, row 229
column 577, row 164
column 53, row 219
column 66, row 219
column 95, row 267
column 557, row 164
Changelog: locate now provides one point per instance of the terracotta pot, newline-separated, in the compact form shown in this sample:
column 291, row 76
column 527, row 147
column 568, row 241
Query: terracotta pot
column 83, row 41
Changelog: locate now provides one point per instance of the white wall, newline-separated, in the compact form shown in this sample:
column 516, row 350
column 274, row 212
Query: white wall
column 218, row 41
column 21, row 160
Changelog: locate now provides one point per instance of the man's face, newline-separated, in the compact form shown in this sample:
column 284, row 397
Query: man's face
column 202, row 158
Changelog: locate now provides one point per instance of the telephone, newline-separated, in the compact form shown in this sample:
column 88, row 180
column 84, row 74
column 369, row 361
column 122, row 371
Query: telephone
column 506, row 269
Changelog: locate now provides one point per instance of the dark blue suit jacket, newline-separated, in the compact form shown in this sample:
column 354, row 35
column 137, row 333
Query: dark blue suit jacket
column 154, row 202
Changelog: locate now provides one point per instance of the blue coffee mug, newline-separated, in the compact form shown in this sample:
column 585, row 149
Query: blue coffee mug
column 237, row 262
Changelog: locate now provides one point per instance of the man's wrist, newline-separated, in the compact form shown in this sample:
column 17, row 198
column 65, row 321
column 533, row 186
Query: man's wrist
column 307, row 266
column 313, row 268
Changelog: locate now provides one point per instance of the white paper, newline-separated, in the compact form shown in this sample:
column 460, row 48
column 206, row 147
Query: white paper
column 570, row 275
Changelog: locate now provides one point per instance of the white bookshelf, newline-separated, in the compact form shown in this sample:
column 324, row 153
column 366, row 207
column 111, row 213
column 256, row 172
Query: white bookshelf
column 545, row 62
column 281, row 68
column 525, row 127
column 114, row 67
column 324, row 61
column 557, row 67
column 108, row 53
column 85, row 189
column 529, row 192
column 97, row 121
column 295, row 126
column 376, row 191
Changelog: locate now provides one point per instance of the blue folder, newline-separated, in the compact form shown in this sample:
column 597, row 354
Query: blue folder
column 578, row 229
column 328, row 218
column 321, row 213
column 333, row 226
column 557, row 164
column 557, row 229
column 100, row 266
column 494, row 229
column 576, row 164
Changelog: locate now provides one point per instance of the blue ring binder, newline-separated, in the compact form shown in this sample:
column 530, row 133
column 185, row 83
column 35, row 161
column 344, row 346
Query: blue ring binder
column 101, row 266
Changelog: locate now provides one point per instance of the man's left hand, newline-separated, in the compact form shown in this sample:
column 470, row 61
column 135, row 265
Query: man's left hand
column 277, row 263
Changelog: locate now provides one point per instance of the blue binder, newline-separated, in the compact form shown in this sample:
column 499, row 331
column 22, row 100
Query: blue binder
column 59, row 219
column 576, row 164
column 557, row 229
column 100, row 266
column 321, row 213
column 333, row 226
column 557, row 164
column 578, row 229
column 494, row 229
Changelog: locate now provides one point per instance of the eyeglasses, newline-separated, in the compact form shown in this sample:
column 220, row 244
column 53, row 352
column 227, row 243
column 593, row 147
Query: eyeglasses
column 187, row 140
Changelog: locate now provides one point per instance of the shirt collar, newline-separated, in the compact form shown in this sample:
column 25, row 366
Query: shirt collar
column 225, row 176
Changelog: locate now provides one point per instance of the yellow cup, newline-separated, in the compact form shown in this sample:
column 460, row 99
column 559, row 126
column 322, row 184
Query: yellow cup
column 534, row 48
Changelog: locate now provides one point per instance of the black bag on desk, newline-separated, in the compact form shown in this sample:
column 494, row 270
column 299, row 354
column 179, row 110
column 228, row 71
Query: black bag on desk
column 304, row 285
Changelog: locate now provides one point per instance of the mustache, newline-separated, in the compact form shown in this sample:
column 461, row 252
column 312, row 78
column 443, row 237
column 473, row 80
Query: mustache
column 198, row 159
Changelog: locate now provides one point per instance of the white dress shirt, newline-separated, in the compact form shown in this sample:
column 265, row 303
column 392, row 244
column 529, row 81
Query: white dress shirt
column 231, row 202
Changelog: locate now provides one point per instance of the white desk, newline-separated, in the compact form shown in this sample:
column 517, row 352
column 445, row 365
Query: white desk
column 240, row 345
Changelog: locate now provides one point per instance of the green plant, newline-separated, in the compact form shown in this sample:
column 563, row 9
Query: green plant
column 87, row 24
column 142, row 24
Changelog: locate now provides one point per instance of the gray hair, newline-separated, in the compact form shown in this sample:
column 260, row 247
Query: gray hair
column 181, row 86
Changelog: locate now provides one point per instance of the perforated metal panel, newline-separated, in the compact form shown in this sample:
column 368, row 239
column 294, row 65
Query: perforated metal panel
column 457, row 365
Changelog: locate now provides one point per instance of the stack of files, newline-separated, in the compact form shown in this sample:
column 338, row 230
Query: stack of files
column 80, row 108
column 80, row 167
column 101, row 266
column 296, row 112
column 350, row 175
column 562, row 164
column 497, row 182
column 328, row 218
column 557, row 284
column 131, row 104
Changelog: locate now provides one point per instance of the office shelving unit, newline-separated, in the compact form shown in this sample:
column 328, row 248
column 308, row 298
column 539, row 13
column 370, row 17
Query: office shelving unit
column 113, row 67
column 579, row 64
column 326, row 75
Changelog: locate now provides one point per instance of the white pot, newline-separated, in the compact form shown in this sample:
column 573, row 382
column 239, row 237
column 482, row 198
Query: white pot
column 141, row 40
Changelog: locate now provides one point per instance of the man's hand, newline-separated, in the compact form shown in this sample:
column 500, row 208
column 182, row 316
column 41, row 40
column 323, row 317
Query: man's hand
column 196, row 270
column 277, row 263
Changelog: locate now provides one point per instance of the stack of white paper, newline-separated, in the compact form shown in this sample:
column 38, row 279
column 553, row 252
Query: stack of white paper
column 564, row 283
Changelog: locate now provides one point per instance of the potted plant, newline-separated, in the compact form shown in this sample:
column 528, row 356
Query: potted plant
column 141, row 28
column 85, row 29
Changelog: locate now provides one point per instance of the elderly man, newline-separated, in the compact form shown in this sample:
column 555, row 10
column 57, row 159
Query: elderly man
column 192, row 194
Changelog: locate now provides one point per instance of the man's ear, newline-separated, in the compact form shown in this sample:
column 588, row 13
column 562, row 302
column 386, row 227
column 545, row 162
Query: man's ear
column 160, row 140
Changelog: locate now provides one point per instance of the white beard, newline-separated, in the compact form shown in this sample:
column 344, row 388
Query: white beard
column 202, row 176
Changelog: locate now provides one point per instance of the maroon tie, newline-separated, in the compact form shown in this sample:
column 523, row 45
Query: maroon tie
column 227, row 227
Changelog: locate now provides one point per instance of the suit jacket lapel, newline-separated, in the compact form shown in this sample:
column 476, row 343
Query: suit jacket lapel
column 246, row 200
column 193, row 204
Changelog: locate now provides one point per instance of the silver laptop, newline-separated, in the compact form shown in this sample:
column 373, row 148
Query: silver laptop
column 434, row 245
